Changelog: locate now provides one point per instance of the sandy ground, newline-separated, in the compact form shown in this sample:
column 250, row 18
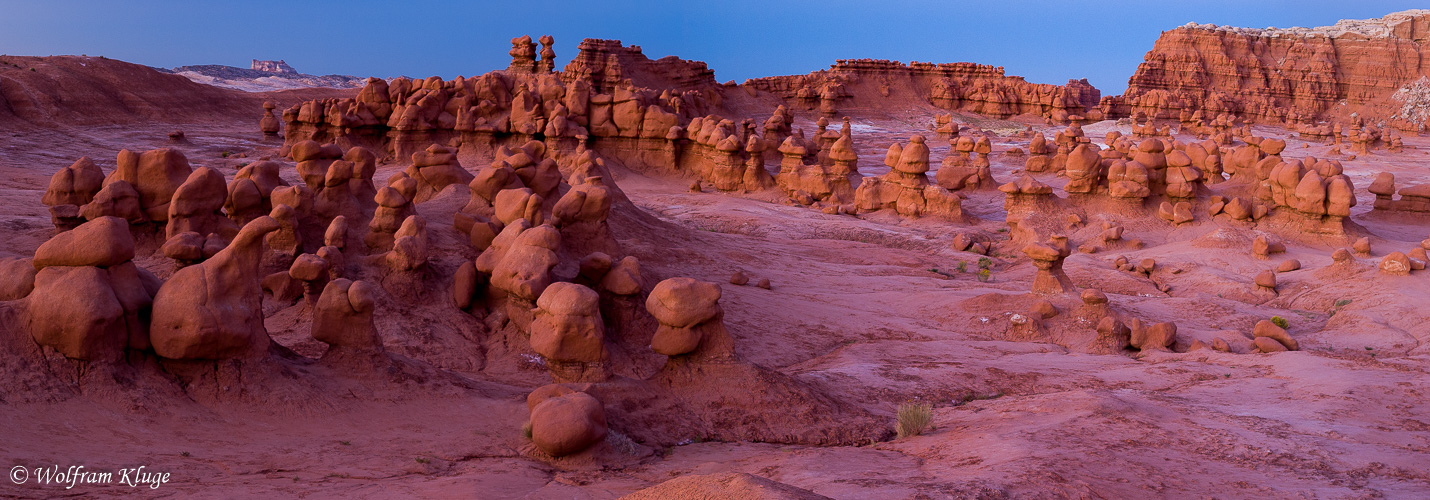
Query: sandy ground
column 855, row 309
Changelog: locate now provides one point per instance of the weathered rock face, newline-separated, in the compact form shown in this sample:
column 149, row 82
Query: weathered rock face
column 607, row 65
column 88, row 300
column 1280, row 75
column 155, row 175
column 214, row 310
column 608, row 91
column 977, row 88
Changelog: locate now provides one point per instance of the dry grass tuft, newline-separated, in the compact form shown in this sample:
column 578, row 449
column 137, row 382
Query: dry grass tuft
column 914, row 419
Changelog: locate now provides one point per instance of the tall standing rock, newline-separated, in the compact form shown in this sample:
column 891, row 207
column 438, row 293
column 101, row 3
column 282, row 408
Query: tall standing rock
column 214, row 310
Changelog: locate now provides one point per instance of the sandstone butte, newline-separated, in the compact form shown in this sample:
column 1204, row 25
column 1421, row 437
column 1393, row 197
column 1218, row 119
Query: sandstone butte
column 624, row 279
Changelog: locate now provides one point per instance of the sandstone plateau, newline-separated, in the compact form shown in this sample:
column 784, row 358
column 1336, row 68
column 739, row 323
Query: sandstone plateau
column 623, row 279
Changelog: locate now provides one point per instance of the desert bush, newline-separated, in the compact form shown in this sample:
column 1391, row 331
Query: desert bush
column 914, row 418
column 1281, row 322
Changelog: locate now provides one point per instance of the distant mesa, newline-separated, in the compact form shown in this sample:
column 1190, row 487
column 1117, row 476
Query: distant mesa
column 279, row 66
column 262, row 76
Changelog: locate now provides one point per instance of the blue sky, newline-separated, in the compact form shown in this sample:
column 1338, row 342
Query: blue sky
column 1046, row 42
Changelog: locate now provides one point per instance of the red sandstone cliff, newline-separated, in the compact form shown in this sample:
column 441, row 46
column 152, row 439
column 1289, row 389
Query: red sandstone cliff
column 977, row 88
column 1284, row 75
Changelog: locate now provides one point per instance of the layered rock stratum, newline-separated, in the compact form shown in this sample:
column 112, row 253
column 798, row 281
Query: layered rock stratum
column 1371, row 68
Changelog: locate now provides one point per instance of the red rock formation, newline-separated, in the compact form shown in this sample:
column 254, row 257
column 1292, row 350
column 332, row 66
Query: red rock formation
column 962, row 86
column 1281, row 75
column 608, row 65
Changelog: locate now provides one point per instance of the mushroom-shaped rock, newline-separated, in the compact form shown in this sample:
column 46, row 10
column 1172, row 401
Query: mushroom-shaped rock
column 1048, row 258
column 1093, row 296
column 79, row 308
column 684, row 307
column 1383, row 185
column 513, row 204
column 342, row 316
column 914, row 158
column 312, row 271
column 337, row 233
column 1341, row 255
column 269, row 124
column 567, row 325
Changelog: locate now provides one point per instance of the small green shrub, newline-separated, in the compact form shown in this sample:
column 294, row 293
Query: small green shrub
column 423, row 460
column 1281, row 322
column 962, row 266
column 224, row 154
column 526, row 430
column 984, row 275
column 985, row 262
column 913, row 419
column 1338, row 305
column 345, row 443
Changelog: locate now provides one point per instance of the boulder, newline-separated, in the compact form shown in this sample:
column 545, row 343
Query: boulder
column 102, row 242
column 566, row 424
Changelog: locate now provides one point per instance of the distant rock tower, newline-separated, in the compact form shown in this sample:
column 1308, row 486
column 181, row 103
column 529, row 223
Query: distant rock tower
column 547, row 63
column 273, row 67
column 523, row 55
